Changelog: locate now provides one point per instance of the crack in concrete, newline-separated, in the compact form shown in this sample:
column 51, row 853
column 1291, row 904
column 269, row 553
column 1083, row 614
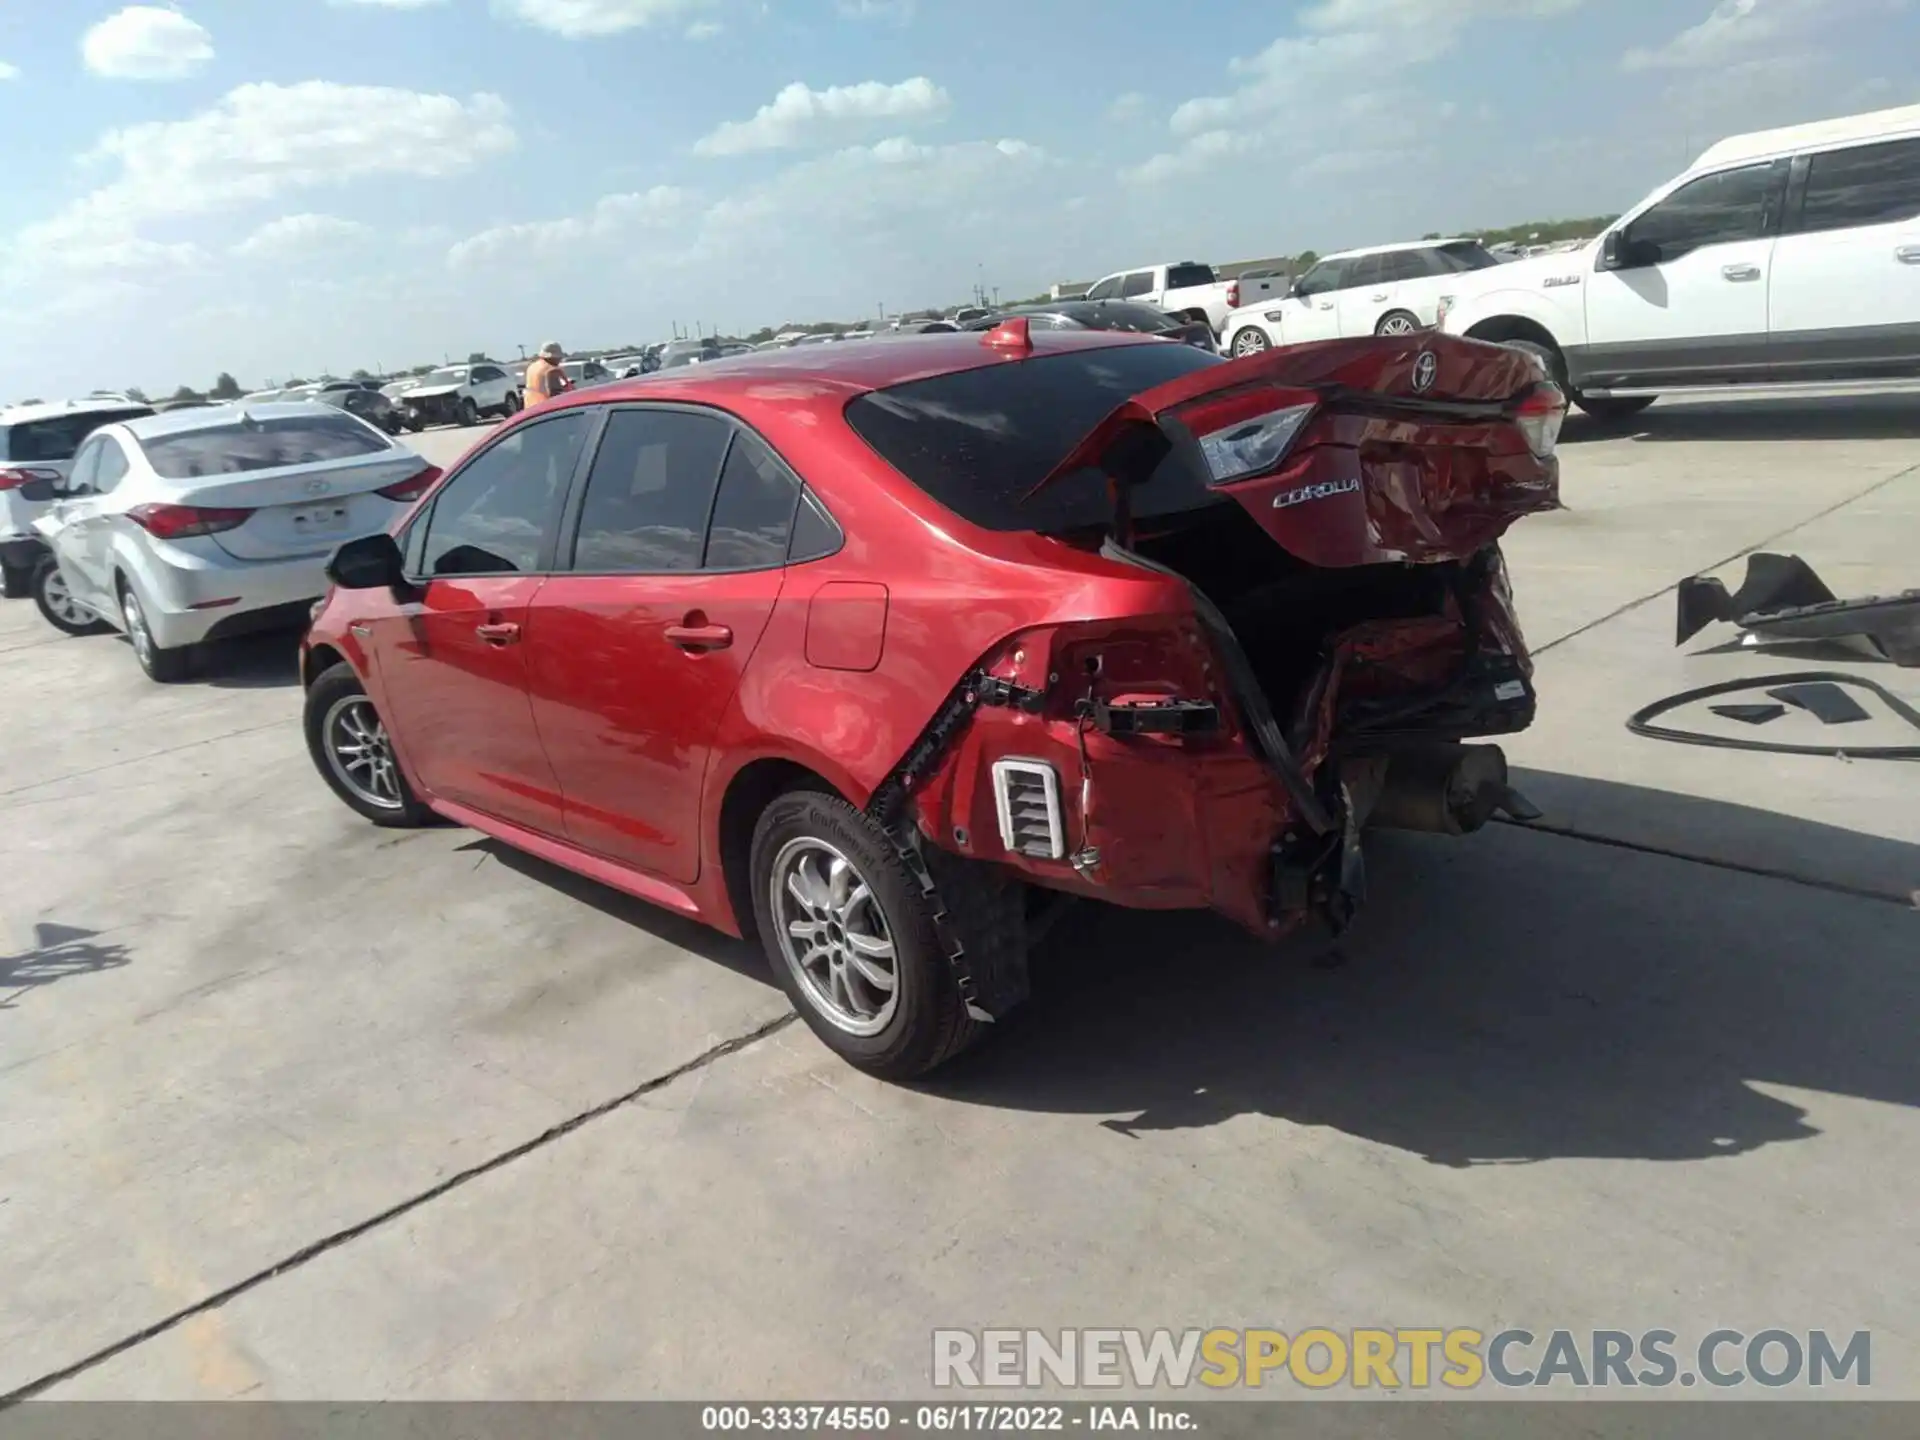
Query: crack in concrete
column 352, row 1232
column 1761, row 543
column 279, row 724
column 1763, row 872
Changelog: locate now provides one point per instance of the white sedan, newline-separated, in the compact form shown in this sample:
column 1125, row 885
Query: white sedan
column 1386, row 290
column 199, row 524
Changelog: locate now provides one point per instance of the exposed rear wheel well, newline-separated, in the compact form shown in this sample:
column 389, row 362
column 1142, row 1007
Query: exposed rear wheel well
column 751, row 791
column 320, row 659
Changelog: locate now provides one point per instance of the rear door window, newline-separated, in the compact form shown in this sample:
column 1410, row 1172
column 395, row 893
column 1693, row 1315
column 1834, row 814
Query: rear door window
column 1100, row 290
column 753, row 513
column 1181, row 277
column 249, row 444
column 650, row 493
column 1864, row 185
column 493, row 517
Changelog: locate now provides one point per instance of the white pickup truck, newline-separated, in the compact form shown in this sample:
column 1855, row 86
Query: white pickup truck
column 1783, row 257
column 1185, row 288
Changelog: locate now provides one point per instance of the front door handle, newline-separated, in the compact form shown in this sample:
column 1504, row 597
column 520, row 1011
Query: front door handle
column 503, row 632
column 1740, row 272
column 1326, row 304
column 1907, row 254
column 1381, row 296
column 696, row 639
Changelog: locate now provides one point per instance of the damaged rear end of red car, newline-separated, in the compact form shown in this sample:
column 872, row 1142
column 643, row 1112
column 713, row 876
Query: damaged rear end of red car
column 1331, row 642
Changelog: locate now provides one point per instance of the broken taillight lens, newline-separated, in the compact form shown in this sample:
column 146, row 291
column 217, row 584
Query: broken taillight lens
column 1246, row 444
column 1540, row 416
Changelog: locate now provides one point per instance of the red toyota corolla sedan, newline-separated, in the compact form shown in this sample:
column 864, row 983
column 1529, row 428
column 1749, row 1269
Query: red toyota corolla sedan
column 867, row 648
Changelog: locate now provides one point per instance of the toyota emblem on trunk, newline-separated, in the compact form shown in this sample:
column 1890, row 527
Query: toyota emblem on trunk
column 321, row 487
column 1426, row 368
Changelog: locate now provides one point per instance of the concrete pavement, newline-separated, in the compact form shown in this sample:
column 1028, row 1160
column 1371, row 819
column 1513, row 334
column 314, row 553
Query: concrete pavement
column 295, row 1108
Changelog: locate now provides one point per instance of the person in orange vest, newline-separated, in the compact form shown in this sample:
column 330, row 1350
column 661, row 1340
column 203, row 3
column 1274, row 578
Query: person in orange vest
column 545, row 378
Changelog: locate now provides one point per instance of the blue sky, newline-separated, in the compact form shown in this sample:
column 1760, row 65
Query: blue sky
column 270, row 186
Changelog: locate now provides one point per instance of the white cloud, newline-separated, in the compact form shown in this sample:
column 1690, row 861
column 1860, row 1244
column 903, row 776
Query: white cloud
column 578, row 19
column 612, row 217
column 898, row 11
column 704, row 29
column 1335, row 87
column 1730, row 28
column 9, row 72
column 258, row 143
column 391, row 4
column 798, row 115
column 146, row 42
column 300, row 235
column 1129, row 106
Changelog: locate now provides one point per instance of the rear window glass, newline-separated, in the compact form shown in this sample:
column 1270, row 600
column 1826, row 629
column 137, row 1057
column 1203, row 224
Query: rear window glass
column 260, row 445
column 1179, row 277
column 979, row 440
column 58, row 436
column 1467, row 255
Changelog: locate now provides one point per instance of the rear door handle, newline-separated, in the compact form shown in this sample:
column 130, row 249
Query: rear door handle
column 697, row 638
column 1740, row 272
column 503, row 632
column 1907, row 254
column 1326, row 304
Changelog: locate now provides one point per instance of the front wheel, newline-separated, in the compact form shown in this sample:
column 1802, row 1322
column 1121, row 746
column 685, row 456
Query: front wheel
column 350, row 747
column 512, row 407
column 1606, row 409
column 1250, row 341
column 851, row 938
column 469, row 412
column 57, row 604
column 163, row 664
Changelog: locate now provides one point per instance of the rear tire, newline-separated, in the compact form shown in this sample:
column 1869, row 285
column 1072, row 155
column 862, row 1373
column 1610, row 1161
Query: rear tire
column 1606, row 409
column 851, row 939
column 1398, row 322
column 348, row 741
column 163, row 666
column 1249, row 340
column 469, row 412
column 57, row 605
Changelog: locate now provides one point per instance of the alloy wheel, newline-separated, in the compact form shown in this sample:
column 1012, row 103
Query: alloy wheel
column 1249, row 342
column 1396, row 325
column 137, row 631
column 60, row 599
column 360, row 753
column 834, row 937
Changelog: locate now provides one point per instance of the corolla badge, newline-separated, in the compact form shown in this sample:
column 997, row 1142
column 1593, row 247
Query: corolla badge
column 1426, row 369
column 317, row 487
column 1288, row 498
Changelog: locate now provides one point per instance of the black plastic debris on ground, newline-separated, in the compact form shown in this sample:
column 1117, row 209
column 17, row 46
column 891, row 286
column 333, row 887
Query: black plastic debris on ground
column 1750, row 714
column 1782, row 600
column 1827, row 701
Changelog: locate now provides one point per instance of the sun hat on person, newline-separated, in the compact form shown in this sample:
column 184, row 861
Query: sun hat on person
column 552, row 351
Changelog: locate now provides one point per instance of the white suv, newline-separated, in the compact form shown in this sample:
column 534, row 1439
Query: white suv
column 461, row 395
column 1385, row 290
column 37, row 442
column 1786, row 256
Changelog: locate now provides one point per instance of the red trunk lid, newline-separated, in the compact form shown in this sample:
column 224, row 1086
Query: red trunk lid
column 1349, row 452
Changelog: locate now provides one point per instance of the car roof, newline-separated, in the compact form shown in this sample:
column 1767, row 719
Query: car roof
column 850, row 367
column 1764, row 144
column 214, row 417
column 1400, row 245
column 48, row 409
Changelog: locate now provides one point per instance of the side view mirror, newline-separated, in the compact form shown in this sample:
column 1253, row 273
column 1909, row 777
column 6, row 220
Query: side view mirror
column 1620, row 251
column 372, row 562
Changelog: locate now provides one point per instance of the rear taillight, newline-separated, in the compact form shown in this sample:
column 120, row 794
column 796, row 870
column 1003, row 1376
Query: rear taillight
column 1247, row 432
column 177, row 522
column 414, row 486
column 1539, row 418
column 15, row 478
column 1233, row 295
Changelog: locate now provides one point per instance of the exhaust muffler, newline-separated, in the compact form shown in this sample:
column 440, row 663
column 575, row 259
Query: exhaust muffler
column 1442, row 788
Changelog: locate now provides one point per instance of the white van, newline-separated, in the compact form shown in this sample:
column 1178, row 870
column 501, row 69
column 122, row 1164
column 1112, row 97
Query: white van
column 1782, row 257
